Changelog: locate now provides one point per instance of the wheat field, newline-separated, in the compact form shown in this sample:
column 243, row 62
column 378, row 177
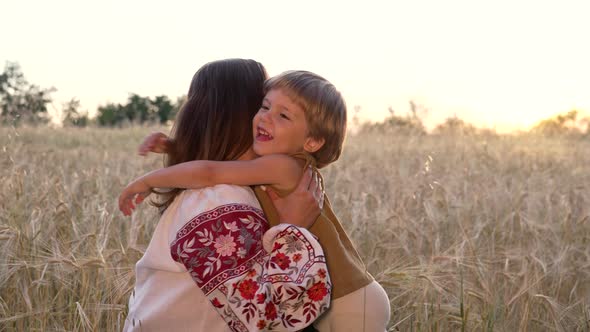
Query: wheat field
column 466, row 233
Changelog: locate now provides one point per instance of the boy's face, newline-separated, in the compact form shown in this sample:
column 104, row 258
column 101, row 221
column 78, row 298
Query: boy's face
column 279, row 126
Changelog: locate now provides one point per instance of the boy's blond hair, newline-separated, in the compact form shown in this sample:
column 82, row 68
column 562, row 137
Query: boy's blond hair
column 324, row 107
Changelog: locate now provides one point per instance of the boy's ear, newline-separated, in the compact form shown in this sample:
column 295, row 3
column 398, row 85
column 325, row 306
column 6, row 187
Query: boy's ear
column 313, row 144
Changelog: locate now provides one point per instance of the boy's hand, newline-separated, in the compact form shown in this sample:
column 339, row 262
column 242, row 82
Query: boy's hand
column 304, row 205
column 135, row 192
column 154, row 142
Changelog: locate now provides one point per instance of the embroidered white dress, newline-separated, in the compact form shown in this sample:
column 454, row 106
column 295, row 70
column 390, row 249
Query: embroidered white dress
column 206, row 269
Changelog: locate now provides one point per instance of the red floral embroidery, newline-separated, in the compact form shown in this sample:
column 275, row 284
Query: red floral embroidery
column 248, row 289
column 270, row 311
column 225, row 245
column 282, row 260
column 277, row 246
column 318, row 291
column 216, row 303
column 207, row 244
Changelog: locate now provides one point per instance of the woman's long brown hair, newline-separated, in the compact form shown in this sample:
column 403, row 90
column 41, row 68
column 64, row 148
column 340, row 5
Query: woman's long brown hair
column 215, row 122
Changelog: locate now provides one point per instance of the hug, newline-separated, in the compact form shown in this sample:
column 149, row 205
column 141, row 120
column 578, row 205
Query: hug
column 247, row 239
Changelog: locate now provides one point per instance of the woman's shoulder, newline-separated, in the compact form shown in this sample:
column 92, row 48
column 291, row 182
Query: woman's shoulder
column 287, row 167
column 208, row 203
column 220, row 194
column 194, row 202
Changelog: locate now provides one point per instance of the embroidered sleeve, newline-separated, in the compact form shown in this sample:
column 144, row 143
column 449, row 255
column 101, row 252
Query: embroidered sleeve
column 283, row 288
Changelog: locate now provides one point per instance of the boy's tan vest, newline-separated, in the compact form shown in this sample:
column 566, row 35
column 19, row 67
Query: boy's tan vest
column 345, row 266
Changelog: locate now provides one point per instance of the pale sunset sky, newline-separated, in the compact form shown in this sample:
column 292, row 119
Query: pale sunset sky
column 498, row 64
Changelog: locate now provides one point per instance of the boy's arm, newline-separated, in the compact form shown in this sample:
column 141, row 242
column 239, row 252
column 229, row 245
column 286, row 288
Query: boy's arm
column 278, row 170
column 281, row 171
column 156, row 142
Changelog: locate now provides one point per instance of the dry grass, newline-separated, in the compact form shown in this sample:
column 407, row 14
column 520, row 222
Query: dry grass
column 479, row 233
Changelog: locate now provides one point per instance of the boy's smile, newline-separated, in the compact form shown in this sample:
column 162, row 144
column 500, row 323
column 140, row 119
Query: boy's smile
column 263, row 135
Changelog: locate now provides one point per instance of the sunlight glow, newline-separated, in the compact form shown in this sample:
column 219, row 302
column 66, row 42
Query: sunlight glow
column 502, row 64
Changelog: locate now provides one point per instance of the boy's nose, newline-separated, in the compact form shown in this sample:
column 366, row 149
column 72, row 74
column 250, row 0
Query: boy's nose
column 265, row 117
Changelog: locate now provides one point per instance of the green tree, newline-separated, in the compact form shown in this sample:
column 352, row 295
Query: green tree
column 21, row 101
column 139, row 109
column 110, row 115
column 72, row 116
column 164, row 108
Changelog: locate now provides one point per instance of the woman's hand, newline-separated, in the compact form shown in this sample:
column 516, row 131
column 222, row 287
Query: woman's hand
column 303, row 206
column 135, row 192
column 155, row 142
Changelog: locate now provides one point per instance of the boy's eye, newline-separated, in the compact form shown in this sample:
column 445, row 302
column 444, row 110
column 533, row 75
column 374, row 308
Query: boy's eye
column 264, row 107
column 284, row 116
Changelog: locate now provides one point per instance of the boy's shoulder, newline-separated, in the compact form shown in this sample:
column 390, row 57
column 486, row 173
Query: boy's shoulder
column 288, row 167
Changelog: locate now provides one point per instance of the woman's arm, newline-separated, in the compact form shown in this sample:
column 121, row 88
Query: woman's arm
column 301, row 207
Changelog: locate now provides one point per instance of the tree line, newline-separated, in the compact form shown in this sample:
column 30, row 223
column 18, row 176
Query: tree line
column 23, row 102
column 570, row 124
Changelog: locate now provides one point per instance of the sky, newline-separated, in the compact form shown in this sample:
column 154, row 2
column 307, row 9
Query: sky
column 498, row 64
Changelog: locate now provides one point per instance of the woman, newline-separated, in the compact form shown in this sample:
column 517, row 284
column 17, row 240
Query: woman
column 205, row 268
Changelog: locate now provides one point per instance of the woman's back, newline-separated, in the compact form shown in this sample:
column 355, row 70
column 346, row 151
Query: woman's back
column 165, row 296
